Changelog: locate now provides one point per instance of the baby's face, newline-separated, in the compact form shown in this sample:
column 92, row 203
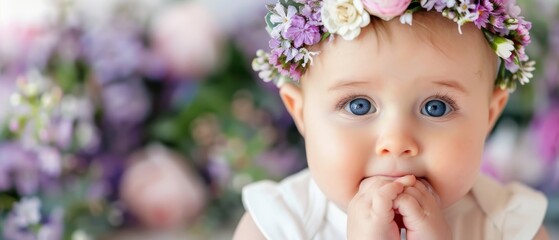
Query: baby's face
column 399, row 105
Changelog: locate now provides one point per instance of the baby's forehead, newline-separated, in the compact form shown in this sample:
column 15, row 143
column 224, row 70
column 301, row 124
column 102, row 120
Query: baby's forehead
column 432, row 47
column 429, row 28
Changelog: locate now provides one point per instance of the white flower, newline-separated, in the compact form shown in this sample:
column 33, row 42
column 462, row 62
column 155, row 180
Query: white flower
column 449, row 3
column 503, row 47
column 260, row 64
column 470, row 17
column 282, row 80
column 407, row 17
column 27, row 211
column 307, row 56
column 524, row 74
column 80, row 235
column 282, row 18
column 428, row 4
column 465, row 6
column 344, row 17
column 49, row 160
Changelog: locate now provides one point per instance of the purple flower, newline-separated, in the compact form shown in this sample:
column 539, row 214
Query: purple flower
column 498, row 22
column 113, row 53
column 312, row 13
column 18, row 167
column 274, row 43
column 523, row 32
column 302, row 32
column 428, row 4
column 274, row 59
column 295, row 72
column 26, row 221
column 126, row 102
column 510, row 65
column 282, row 17
column 547, row 131
column 511, row 8
column 484, row 10
column 280, row 162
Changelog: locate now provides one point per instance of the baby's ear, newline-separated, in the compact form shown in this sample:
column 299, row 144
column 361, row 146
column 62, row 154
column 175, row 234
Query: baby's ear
column 292, row 98
column 498, row 102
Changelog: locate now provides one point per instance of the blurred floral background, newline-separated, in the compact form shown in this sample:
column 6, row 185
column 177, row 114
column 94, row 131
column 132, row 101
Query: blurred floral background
column 142, row 119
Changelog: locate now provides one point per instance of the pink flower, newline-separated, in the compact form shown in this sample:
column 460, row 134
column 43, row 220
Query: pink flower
column 386, row 9
column 161, row 190
column 187, row 37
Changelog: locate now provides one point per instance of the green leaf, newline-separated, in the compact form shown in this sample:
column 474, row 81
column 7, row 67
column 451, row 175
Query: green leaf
column 290, row 3
column 325, row 36
column 269, row 23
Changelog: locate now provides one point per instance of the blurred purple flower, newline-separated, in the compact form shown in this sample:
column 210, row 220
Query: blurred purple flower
column 109, row 169
column 27, row 221
column 554, row 37
column 75, row 121
column 546, row 127
column 126, row 102
column 280, row 162
column 7, row 87
column 50, row 160
column 113, row 53
column 20, row 167
column 551, row 70
column 219, row 169
column 27, row 170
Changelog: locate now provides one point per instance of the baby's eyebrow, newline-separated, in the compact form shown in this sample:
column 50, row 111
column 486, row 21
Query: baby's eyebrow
column 451, row 84
column 347, row 83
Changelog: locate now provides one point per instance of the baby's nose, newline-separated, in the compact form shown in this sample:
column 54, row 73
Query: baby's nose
column 398, row 142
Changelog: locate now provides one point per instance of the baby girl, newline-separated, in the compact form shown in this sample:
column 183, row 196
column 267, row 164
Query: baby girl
column 394, row 99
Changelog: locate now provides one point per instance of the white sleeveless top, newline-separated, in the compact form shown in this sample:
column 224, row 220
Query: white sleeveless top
column 297, row 209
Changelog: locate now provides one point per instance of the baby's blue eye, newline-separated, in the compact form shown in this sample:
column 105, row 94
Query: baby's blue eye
column 360, row 107
column 435, row 108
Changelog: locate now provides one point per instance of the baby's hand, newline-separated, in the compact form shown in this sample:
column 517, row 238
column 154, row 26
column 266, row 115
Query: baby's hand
column 370, row 212
column 421, row 213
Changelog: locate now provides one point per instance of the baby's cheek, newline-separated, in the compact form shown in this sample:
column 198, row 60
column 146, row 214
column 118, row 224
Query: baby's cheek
column 336, row 163
column 455, row 171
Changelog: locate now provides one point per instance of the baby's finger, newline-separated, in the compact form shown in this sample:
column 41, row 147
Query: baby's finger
column 408, row 180
column 411, row 210
column 417, row 194
column 361, row 204
column 383, row 199
column 372, row 184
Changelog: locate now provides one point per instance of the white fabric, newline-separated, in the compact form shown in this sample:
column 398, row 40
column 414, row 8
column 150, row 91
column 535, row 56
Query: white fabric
column 296, row 209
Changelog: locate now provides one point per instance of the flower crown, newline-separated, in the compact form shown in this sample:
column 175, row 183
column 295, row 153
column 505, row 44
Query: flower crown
column 295, row 25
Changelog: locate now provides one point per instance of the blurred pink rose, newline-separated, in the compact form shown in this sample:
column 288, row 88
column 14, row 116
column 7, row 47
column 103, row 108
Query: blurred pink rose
column 187, row 38
column 386, row 9
column 161, row 191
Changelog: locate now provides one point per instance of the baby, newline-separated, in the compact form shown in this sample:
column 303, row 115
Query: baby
column 394, row 99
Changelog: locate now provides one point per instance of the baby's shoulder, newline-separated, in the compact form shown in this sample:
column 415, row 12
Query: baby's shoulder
column 290, row 209
column 515, row 210
column 293, row 191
